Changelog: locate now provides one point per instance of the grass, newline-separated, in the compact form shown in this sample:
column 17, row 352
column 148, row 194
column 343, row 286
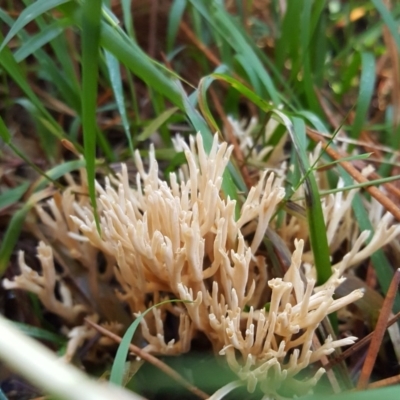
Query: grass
column 82, row 75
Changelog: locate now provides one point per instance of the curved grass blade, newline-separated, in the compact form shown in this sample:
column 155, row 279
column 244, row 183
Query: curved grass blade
column 30, row 13
column 118, row 367
column 91, row 14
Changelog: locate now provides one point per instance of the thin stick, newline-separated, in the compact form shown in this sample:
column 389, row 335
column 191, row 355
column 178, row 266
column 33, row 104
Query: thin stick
column 373, row 191
column 152, row 360
column 379, row 332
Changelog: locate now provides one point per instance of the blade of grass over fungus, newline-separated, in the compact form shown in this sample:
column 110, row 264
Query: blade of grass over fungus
column 315, row 217
column 29, row 14
column 118, row 367
column 367, row 84
column 90, row 54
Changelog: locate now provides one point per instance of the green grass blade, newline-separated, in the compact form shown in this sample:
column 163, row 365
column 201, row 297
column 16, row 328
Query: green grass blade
column 305, row 40
column 11, row 196
column 315, row 217
column 37, row 41
column 9, row 64
column 91, row 14
column 29, row 14
column 128, row 53
column 41, row 334
column 156, row 123
column 174, row 19
column 57, row 172
column 127, row 16
column 367, row 84
column 116, row 83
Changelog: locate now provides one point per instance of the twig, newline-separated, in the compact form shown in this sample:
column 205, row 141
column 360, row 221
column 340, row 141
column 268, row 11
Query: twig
column 379, row 332
column 152, row 360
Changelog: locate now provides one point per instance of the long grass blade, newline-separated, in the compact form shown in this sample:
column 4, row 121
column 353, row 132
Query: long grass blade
column 90, row 53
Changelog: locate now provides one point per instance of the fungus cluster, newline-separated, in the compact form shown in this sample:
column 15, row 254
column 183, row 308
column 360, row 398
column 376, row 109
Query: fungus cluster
column 184, row 239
